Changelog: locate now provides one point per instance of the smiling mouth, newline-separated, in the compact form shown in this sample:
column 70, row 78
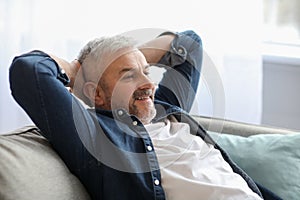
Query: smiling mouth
column 142, row 95
column 142, row 98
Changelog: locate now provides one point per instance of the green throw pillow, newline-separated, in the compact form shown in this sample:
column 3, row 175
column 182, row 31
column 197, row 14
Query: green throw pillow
column 272, row 160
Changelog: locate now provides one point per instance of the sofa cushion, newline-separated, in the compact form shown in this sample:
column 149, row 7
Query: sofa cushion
column 30, row 169
column 273, row 160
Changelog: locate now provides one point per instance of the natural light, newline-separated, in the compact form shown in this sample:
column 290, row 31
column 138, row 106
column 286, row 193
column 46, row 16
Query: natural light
column 232, row 34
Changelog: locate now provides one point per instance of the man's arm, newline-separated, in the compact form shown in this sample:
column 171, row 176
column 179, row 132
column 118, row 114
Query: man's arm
column 181, row 55
column 37, row 84
column 70, row 68
column 155, row 49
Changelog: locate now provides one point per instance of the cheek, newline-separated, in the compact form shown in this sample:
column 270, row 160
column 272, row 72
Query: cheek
column 123, row 93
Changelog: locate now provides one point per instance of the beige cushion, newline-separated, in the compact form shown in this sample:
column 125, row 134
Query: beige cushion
column 30, row 169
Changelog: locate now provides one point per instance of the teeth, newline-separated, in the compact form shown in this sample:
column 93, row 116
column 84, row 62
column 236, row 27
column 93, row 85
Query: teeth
column 142, row 94
column 141, row 98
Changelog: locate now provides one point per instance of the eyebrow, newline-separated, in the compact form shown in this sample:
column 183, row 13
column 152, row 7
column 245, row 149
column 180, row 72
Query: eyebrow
column 132, row 69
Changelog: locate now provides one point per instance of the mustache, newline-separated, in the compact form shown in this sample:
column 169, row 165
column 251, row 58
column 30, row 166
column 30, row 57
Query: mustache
column 142, row 93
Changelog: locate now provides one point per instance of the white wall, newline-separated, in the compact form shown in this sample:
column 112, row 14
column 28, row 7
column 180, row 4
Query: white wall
column 281, row 96
column 62, row 27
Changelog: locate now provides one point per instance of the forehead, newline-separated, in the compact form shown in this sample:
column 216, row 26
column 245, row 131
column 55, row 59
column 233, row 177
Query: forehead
column 133, row 59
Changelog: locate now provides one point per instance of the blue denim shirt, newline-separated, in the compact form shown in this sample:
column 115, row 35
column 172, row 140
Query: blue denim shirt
column 110, row 151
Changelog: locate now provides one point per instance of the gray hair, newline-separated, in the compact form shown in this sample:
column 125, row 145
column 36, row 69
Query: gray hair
column 99, row 48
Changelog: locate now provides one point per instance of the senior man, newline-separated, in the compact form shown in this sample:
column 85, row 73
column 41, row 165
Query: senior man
column 134, row 140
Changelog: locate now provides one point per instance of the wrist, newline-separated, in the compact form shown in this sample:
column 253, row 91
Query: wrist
column 63, row 77
column 156, row 48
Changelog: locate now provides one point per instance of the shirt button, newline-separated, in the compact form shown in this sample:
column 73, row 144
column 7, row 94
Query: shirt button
column 120, row 112
column 149, row 148
column 156, row 182
column 180, row 51
column 134, row 123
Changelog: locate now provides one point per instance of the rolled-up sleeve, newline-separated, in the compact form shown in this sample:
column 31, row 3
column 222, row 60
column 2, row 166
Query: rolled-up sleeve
column 183, row 64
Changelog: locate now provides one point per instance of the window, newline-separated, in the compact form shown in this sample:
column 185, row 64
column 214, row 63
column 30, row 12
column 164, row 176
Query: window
column 282, row 22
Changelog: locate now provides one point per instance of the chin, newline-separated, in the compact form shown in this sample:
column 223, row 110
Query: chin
column 146, row 118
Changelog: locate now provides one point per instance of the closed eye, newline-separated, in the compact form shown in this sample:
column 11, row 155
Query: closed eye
column 147, row 70
column 132, row 73
column 129, row 75
column 147, row 73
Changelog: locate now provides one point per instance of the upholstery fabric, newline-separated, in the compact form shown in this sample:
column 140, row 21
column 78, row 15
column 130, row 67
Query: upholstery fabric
column 30, row 169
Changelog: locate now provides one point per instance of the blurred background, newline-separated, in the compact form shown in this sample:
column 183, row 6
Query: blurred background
column 252, row 45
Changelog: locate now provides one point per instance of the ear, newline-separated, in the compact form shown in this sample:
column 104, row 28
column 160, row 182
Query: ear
column 94, row 93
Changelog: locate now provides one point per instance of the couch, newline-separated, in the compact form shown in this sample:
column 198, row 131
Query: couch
column 31, row 169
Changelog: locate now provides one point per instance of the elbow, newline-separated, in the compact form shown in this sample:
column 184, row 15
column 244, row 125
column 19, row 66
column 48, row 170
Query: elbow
column 17, row 76
column 196, row 37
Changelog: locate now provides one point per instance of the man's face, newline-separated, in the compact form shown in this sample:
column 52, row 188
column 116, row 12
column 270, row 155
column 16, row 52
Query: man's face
column 125, row 84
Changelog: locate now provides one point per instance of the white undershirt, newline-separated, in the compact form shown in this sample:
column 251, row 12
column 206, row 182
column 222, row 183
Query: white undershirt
column 192, row 169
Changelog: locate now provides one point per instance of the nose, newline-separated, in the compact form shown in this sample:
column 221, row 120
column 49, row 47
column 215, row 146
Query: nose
column 146, row 82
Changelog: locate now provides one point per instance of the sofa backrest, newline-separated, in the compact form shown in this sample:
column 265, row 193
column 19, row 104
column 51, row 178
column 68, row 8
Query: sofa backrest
column 239, row 128
column 30, row 169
